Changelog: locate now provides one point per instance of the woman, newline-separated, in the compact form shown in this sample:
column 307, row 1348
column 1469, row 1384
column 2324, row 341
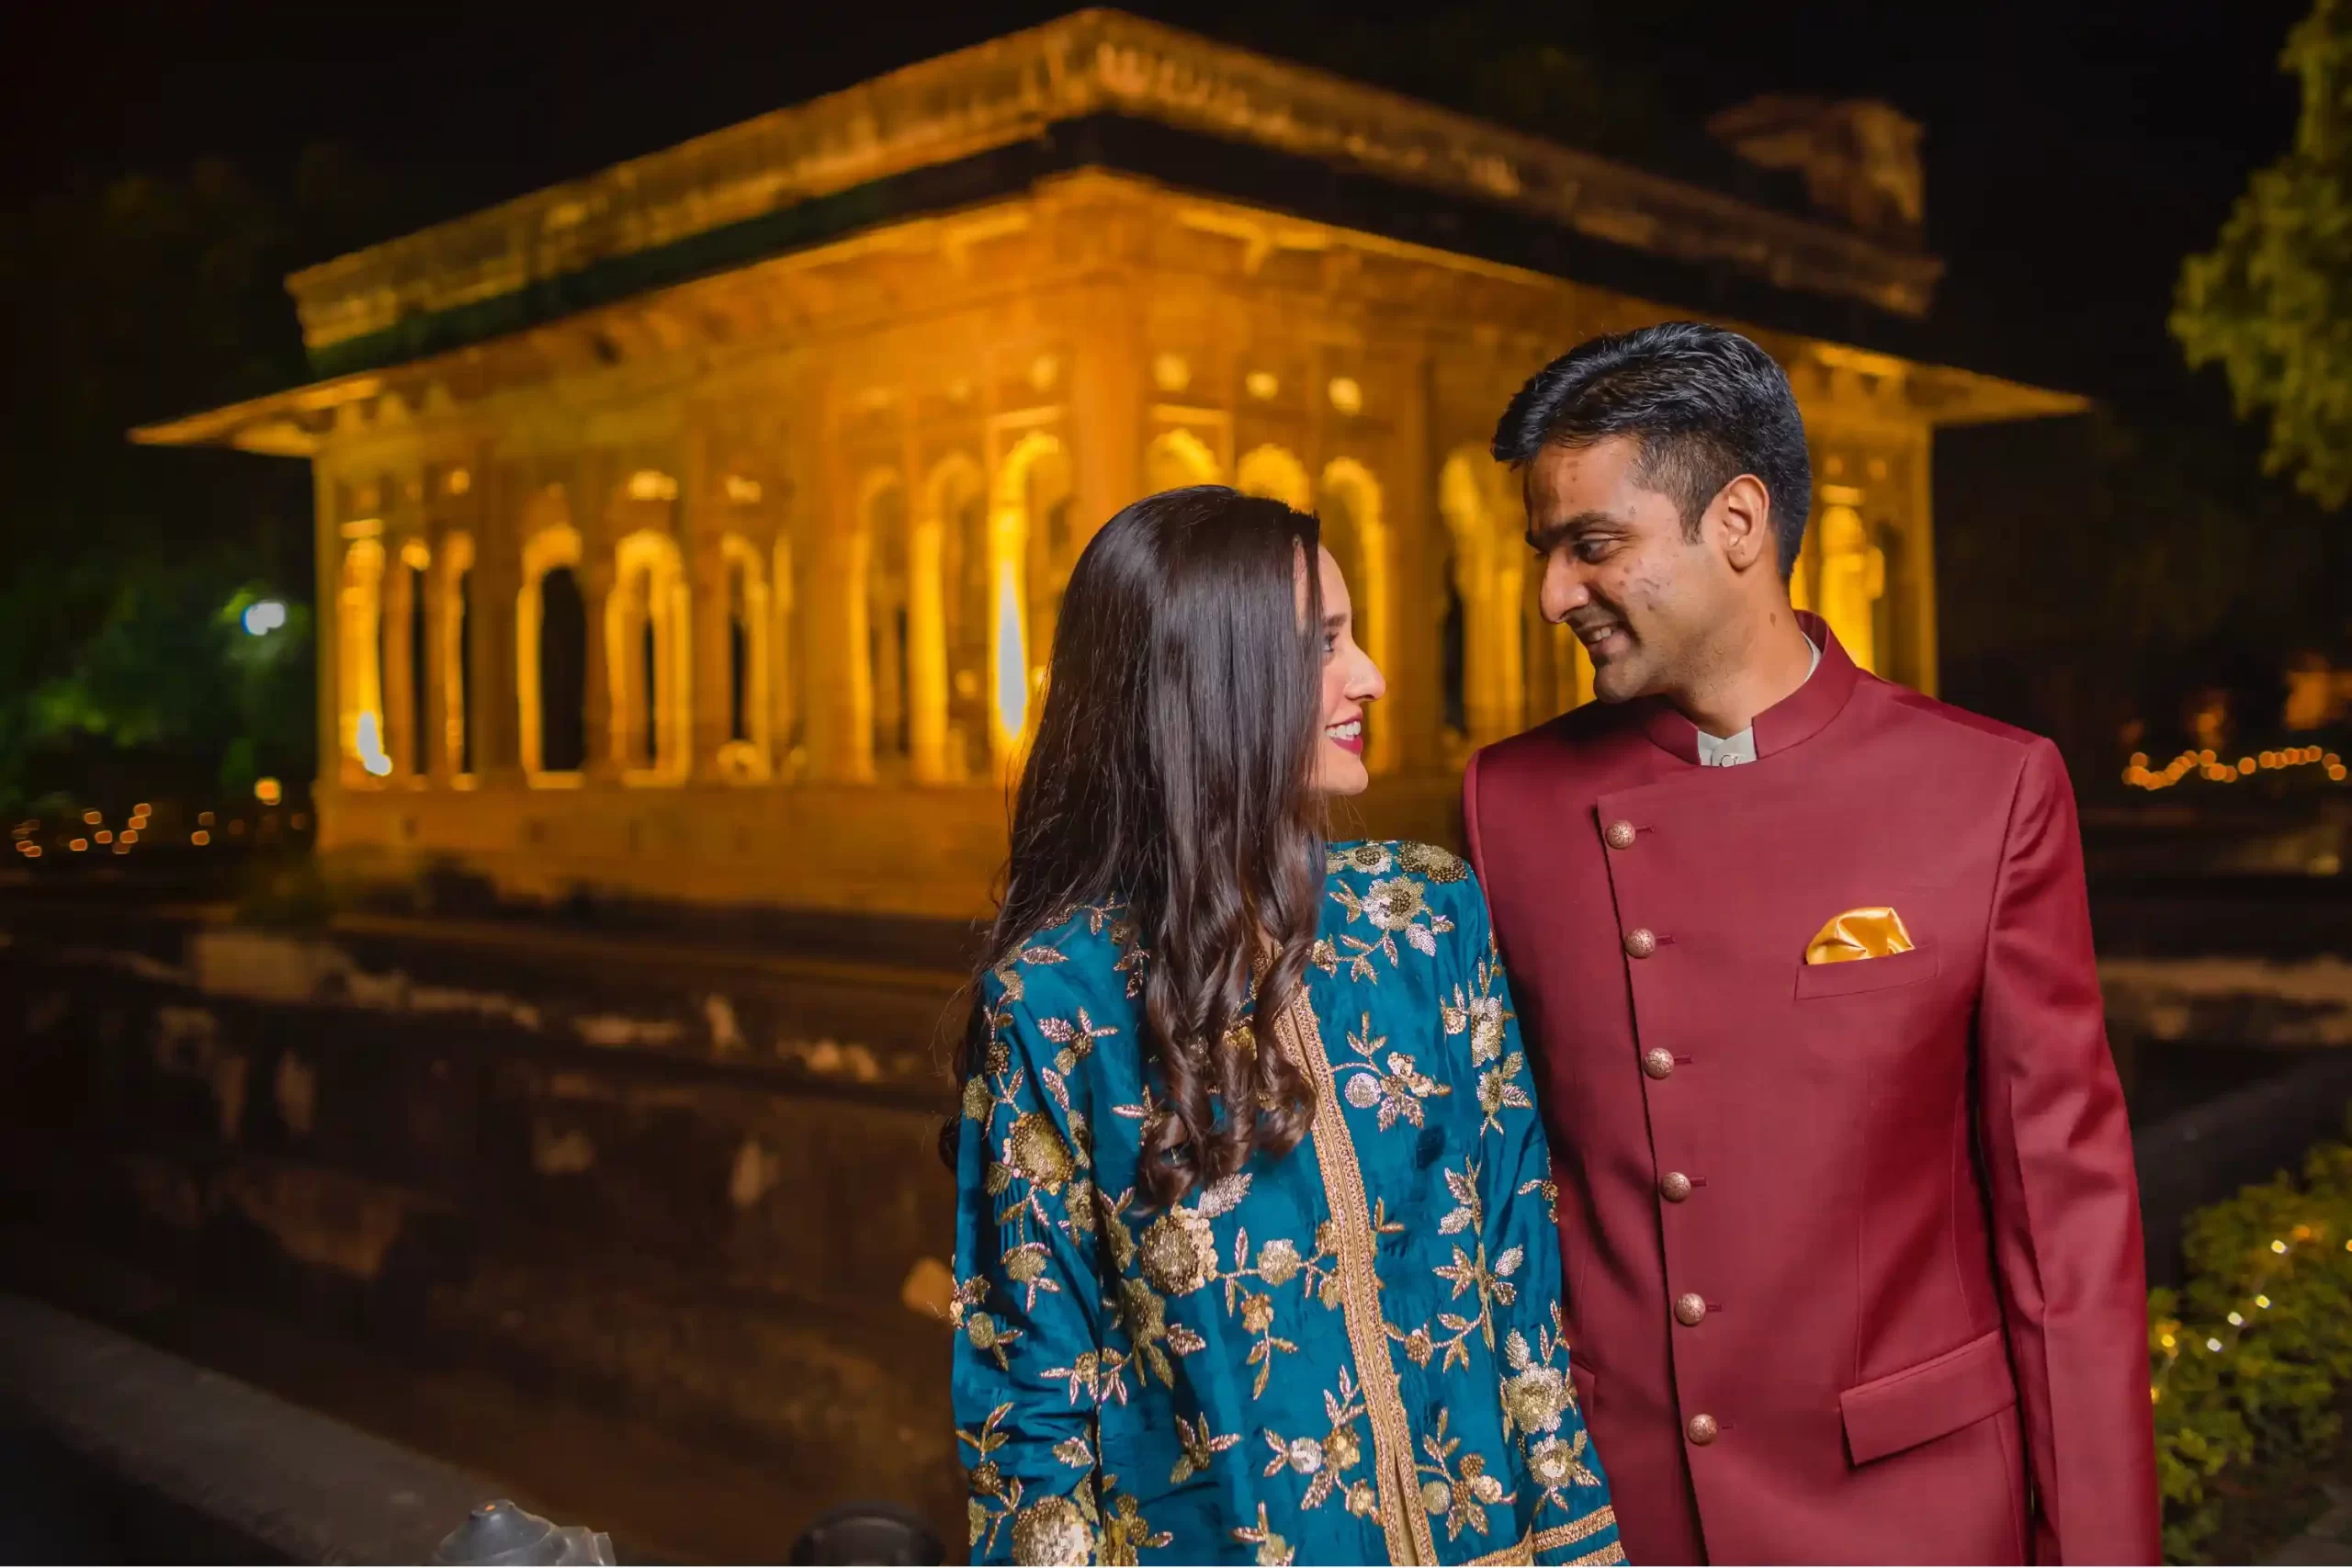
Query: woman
column 1255, row 1256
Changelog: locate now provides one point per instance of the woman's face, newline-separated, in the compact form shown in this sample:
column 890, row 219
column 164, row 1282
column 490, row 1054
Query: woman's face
column 1350, row 680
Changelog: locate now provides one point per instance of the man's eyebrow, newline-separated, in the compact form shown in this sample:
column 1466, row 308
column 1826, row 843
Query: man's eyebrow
column 1544, row 540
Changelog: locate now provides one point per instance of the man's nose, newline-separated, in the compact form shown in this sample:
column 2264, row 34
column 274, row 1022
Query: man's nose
column 1564, row 591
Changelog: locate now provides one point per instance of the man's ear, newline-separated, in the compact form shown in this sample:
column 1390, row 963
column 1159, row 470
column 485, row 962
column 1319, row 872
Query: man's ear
column 1741, row 518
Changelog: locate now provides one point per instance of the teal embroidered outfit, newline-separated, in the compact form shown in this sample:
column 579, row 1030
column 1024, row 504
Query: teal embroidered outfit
column 1350, row 1353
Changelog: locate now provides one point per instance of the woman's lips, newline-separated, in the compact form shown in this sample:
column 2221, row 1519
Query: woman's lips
column 1347, row 736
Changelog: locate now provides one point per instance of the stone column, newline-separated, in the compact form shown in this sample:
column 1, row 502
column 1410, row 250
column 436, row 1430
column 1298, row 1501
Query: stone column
column 594, row 490
column 1107, row 402
column 927, row 642
column 327, row 629
column 1918, row 586
column 1410, row 602
column 501, row 492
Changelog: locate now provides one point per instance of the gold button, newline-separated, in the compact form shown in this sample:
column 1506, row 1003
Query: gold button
column 1620, row 834
column 1689, row 1308
column 1701, row 1430
column 1641, row 941
column 1674, row 1187
column 1658, row 1062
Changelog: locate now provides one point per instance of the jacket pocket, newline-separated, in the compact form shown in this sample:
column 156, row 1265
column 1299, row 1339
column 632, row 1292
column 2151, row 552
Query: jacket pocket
column 1857, row 975
column 1932, row 1399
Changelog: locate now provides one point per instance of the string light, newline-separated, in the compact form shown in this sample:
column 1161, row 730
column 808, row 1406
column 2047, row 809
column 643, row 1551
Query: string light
column 2205, row 764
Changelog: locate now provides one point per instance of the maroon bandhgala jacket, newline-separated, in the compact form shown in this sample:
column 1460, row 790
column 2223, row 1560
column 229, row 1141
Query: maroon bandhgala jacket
column 1851, row 1250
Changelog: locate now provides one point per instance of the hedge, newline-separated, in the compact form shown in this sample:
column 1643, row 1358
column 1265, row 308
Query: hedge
column 2244, row 1363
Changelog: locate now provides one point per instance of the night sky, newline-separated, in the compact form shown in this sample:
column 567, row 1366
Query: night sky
column 2075, row 149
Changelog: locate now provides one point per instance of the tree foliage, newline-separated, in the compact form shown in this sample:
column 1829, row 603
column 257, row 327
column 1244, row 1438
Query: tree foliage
column 121, row 303
column 2271, row 304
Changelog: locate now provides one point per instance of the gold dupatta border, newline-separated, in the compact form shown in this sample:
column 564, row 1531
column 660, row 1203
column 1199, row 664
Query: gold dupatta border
column 1585, row 1528
column 1410, row 1540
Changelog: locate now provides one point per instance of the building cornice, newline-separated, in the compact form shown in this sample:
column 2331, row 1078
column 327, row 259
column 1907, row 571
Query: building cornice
column 1019, row 87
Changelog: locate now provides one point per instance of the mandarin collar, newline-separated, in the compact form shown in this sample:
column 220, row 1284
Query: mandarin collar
column 1792, row 721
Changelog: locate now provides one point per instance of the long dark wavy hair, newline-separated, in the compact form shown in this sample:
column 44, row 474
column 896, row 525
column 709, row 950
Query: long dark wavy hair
column 1170, row 774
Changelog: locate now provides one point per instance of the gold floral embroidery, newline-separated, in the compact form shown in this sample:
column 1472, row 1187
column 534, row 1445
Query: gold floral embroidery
column 1398, row 1092
column 1199, row 1448
column 1480, row 1012
column 1370, row 857
column 1459, row 1496
column 1279, row 1263
column 1125, row 1532
column 1397, row 905
column 1465, row 1272
column 1273, row 1551
column 1326, row 1461
column 1409, row 1538
column 1428, row 860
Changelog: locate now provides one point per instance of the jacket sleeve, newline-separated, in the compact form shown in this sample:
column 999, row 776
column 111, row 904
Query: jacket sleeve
column 2065, row 1201
column 1520, row 1236
column 1027, row 1305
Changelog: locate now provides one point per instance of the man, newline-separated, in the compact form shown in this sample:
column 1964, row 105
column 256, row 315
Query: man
column 1851, row 1235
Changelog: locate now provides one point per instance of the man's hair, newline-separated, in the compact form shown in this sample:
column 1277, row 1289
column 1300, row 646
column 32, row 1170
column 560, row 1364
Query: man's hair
column 1705, row 405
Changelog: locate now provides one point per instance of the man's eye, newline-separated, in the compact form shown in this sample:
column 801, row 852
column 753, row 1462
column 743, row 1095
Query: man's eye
column 1591, row 550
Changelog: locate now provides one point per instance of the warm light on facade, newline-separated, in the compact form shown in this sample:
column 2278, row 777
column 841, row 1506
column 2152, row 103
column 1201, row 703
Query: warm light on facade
column 372, row 756
column 268, row 791
column 1009, row 659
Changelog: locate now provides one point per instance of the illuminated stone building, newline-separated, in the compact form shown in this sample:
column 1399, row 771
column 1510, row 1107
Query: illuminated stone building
column 697, row 529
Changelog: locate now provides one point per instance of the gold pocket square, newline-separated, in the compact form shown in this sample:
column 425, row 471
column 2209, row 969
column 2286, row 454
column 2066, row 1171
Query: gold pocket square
column 1860, row 933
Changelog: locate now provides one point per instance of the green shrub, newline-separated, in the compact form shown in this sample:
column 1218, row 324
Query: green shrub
column 2246, row 1362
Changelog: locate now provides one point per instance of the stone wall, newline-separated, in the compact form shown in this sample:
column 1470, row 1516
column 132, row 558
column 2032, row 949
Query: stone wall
column 698, row 1186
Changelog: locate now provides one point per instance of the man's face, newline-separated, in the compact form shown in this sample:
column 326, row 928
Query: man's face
column 1619, row 571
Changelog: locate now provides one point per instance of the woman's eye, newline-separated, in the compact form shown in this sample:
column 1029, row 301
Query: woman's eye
column 1331, row 644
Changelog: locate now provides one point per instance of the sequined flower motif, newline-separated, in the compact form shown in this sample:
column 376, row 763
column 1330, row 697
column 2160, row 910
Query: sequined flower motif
column 1394, row 904
column 1535, row 1399
column 1035, row 1150
column 1052, row 1530
column 1370, row 859
column 1428, row 860
column 1557, row 1462
column 1178, row 1252
column 1278, row 1262
column 1486, row 1017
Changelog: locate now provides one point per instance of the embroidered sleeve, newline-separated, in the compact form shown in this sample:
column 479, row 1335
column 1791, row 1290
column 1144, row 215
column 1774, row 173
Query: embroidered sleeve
column 1509, row 1201
column 1030, row 1363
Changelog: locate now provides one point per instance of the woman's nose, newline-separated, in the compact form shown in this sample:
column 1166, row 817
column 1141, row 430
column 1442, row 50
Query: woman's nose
column 1369, row 685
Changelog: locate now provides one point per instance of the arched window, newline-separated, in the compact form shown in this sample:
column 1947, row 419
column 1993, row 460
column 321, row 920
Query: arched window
column 416, row 604
column 950, row 646
column 882, row 527
column 791, row 689
column 645, row 660
column 551, row 647
column 1029, row 548
column 1276, row 472
column 1487, row 580
column 563, row 645
column 1853, row 579
column 1052, row 547
column 750, row 621
column 456, row 683
column 360, row 645
column 1176, row 459
column 1356, row 535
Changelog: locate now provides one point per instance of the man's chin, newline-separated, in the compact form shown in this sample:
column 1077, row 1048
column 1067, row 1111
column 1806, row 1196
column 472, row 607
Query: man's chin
column 1618, row 683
